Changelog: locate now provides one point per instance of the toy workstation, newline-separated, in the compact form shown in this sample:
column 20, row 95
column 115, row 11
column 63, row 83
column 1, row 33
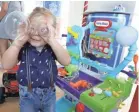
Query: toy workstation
column 95, row 81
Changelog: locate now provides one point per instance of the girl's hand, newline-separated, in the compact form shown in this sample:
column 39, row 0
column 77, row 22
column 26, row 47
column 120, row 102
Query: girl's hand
column 48, row 33
column 22, row 35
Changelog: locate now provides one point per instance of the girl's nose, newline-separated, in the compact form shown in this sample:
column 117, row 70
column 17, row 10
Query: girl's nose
column 36, row 33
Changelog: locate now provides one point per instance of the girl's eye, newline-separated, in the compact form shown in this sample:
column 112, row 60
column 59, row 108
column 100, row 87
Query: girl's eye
column 44, row 30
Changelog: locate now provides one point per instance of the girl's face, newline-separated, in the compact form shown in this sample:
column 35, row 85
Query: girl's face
column 38, row 28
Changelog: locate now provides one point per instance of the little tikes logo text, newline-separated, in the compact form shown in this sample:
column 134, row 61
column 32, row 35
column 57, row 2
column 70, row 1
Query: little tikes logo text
column 102, row 25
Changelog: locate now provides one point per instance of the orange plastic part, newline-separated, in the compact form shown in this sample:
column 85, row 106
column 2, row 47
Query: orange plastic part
column 62, row 72
column 80, row 107
column 135, row 60
column 13, row 70
column 73, row 85
column 14, row 83
column 91, row 94
column 84, row 84
column 80, row 83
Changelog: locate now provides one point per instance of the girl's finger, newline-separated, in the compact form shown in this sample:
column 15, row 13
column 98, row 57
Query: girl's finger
column 52, row 32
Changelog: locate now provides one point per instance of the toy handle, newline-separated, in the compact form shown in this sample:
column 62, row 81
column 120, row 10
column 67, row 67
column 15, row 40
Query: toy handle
column 135, row 60
column 74, row 34
column 129, row 74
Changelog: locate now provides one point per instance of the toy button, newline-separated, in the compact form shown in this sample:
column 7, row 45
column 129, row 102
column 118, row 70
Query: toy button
column 108, row 93
column 97, row 90
column 91, row 94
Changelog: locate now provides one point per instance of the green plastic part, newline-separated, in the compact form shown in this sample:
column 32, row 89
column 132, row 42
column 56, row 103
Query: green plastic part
column 71, row 69
column 98, row 103
column 72, row 109
column 74, row 55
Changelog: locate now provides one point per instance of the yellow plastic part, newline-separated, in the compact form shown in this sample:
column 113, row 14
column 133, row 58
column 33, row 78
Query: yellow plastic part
column 119, row 92
column 120, row 106
column 115, row 94
column 74, row 34
column 122, row 103
column 109, row 88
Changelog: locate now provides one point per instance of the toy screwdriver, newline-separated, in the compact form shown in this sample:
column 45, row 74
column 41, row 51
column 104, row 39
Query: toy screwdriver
column 135, row 60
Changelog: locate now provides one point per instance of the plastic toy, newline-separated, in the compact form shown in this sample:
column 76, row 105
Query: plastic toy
column 78, row 84
column 68, row 70
column 97, row 90
column 74, row 34
column 119, row 8
column 96, row 52
column 10, row 82
column 120, row 105
column 76, row 56
column 131, row 67
column 100, row 45
column 135, row 60
column 91, row 94
column 80, row 107
column 11, row 87
column 116, row 94
column 131, row 37
column 71, row 42
column 108, row 93
column 134, row 69
column 62, row 72
column 71, row 69
column 107, row 99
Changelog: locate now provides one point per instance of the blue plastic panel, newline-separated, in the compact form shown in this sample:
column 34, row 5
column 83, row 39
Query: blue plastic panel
column 115, row 18
column 64, row 105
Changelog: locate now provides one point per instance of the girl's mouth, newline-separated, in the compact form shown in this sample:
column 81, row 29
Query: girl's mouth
column 36, row 38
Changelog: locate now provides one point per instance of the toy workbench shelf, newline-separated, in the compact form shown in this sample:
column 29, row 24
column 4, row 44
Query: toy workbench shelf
column 64, row 84
column 95, row 103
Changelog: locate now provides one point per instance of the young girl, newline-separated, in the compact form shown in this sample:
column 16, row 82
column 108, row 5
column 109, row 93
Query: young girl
column 37, row 50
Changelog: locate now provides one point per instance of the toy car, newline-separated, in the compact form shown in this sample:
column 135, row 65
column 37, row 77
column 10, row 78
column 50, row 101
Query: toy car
column 11, row 88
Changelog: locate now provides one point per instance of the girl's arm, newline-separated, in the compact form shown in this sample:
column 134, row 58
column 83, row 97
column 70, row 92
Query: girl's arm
column 10, row 57
column 61, row 53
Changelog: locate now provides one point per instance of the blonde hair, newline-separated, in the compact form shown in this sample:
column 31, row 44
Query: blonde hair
column 38, row 11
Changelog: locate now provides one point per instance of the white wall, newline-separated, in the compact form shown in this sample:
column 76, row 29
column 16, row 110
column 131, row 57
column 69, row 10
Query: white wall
column 29, row 6
column 135, row 21
column 64, row 18
column 75, row 12
column 109, row 5
column 76, row 9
